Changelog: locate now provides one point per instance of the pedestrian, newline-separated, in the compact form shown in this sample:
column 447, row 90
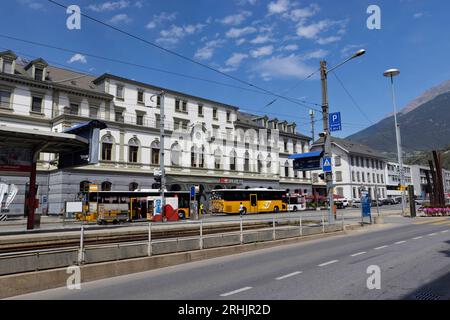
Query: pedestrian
column 201, row 209
column 241, row 209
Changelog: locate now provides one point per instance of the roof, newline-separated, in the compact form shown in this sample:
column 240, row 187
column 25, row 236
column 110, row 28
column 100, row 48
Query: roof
column 313, row 154
column 352, row 147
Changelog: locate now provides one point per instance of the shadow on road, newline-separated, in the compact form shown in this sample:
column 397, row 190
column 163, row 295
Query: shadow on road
column 438, row 289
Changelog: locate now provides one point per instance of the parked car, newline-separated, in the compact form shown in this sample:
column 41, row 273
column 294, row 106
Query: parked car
column 386, row 201
column 356, row 203
column 374, row 203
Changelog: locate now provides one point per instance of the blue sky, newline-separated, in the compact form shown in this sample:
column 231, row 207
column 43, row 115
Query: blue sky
column 273, row 44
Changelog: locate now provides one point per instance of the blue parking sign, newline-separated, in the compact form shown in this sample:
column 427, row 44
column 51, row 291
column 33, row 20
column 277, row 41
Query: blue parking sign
column 334, row 121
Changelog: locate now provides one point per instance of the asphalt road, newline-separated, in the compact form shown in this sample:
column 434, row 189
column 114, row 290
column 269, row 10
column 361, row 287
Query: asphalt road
column 413, row 257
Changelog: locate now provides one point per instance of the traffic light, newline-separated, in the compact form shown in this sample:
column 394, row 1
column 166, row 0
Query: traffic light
column 157, row 184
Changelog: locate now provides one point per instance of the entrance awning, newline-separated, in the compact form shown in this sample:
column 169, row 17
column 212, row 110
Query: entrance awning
column 313, row 154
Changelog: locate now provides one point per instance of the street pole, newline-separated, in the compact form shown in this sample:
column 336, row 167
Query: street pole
column 327, row 138
column 161, row 156
column 391, row 73
column 311, row 114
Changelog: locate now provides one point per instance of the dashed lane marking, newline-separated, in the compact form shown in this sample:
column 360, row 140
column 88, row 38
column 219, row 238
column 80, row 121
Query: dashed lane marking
column 358, row 254
column 327, row 263
column 288, row 275
column 417, row 238
column 400, row 242
column 432, row 234
column 235, row 291
column 382, row 247
column 445, row 231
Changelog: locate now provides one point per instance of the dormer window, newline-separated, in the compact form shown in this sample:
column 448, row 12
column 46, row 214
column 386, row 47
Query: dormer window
column 7, row 67
column 119, row 91
column 39, row 74
column 7, row 62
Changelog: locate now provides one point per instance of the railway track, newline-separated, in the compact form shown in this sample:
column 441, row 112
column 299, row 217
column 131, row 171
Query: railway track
column 91, row 238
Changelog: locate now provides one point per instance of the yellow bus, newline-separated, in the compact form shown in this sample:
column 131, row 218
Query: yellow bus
column 228, row 201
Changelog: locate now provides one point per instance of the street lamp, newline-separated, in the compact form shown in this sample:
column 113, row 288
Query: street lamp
column 326, row 134
column 391, row 73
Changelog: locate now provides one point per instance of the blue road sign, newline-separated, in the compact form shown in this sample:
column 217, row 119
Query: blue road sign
column 365, row 205
column 192, row 192
column 326, row 164
column 334, row 121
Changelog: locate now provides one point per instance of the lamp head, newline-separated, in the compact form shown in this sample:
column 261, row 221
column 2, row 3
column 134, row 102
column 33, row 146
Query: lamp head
column 391, row 73
column 359, row 53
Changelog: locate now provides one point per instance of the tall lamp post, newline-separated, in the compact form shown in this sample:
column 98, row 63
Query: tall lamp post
column 326, row 132
column 391, row 73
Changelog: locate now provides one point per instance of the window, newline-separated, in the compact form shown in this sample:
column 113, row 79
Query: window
column 177, row 105
column 184, row 107
column 363, row 177
column 200, row 110
column 36, row 104
column 217, row 159
column 286, row 146
column 74, row 108
column 107, row 145
column 140, row 96
column 246, row 161
column 119, row 91
column 368, row 177
column 337, row 161
column 382, row 180
column 93, row 112
column 133, row 186
column 5, row 99
column 353, row 176
column 119, row 116
column 357, row 161
column 175, row 154
column 158, row 101
column 7, row 67
column 358, row 177
column 286, row 169
column 38, row 74
column 352, row 161
column 294, row 145
column 228, row 116
column 140, row 119
column 373, row 175
column 378, row 178
column 354, row 193
column 340, row 191
column 84, row 186
column 373, row 163
column 269, row 162
column 215, row 114
column 106, row 186
column 133, row 150
column 233, row 161
column 155, row 152
column 367, row 163
column 338, row 176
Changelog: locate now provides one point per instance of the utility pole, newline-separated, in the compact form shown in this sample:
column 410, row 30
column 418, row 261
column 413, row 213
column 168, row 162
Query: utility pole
column 327, row 138
column 311, row 114
column 161, row 156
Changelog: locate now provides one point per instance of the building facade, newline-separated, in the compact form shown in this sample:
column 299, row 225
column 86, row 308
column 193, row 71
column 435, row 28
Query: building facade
column 207, row 143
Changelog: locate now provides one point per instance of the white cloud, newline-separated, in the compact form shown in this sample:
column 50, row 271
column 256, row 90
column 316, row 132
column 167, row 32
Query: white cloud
column 328, row 40
column 312, row 31
column 237, row 33
column 77, row 58
column 31, row 4
column 316, row 54
column 290, row 47
column 207, row 52
column 109, row 6
column 160, row 18
column 262, row 51
column 245, row 2
column 175, row 33
column 235, row 19
column 302, row 13
column 278, row 6
column 291, row 66
column 236, row 59
column 240, row 41
column 120, row 18
column 261, row 39
column 139, row 4
column 350, row 49
column 418, row 15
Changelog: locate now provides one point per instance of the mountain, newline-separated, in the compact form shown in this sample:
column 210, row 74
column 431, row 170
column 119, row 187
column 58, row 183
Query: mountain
column 422, row 157
column 423, row 127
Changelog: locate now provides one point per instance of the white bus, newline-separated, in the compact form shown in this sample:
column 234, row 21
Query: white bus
column 296, row 202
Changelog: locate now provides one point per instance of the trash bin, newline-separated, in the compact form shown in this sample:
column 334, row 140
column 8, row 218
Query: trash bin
column 37, row 220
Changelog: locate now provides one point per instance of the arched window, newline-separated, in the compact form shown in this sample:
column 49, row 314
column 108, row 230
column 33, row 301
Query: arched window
column 107, row 148
column 269, row 162
column 133, row 186
column 106, row 186
column 84, row 186
column 233, row 160
column 217, row 159
column 155, row 152
column 246, row 161
column 133, row 150
column 175, row 154
column 198, row 156
column 194, row 157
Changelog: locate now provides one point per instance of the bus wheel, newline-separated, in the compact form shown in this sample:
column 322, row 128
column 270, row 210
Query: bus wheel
column 276, row 209
column 181, row 214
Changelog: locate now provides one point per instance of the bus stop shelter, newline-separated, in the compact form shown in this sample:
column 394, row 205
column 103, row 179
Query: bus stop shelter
column 20, row 149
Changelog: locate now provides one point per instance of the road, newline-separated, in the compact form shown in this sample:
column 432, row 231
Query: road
column 413, row 256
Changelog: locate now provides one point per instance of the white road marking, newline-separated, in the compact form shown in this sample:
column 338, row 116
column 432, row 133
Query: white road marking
column 327, row 263
column 288, row 275
column 417, row 238
column 235, row 291
column 432, row 234
column 382, row 247
column 400, row 242
column 445, row 231
column 358, row 254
